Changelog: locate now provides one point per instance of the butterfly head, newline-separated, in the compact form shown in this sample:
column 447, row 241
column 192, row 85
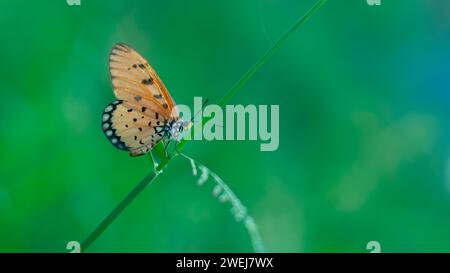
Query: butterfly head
column 177, row 128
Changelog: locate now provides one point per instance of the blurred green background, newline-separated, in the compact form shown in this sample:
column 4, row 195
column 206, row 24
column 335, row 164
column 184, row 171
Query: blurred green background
column 364, row 133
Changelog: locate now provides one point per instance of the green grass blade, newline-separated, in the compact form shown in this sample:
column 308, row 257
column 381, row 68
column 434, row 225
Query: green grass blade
column 249, row 74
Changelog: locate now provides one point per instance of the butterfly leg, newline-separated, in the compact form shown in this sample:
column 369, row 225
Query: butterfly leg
column 166, row 145
column 176, row 147
column 155, row 165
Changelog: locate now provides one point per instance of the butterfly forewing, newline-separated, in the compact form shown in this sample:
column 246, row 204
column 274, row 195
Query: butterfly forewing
column 134, row 79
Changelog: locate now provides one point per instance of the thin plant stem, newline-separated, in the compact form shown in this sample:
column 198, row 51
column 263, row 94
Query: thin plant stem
column 249, row 74
column 236, row 87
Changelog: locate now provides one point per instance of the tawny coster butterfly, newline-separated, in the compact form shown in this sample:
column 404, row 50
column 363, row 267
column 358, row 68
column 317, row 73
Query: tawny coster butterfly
column 144, row 113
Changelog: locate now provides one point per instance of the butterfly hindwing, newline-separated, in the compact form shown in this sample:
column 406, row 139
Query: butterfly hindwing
column 131, row 127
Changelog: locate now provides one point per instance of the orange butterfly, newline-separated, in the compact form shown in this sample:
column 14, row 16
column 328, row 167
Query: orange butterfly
column 144, row 113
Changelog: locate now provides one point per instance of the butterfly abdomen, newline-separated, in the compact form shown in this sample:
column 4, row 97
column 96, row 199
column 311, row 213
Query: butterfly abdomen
column 108, row 127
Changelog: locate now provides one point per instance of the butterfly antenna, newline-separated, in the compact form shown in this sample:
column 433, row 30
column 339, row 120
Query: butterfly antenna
column 198, row 112
column 204, row 103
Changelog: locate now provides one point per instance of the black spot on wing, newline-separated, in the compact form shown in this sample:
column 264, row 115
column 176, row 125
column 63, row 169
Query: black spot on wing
column 148, row 81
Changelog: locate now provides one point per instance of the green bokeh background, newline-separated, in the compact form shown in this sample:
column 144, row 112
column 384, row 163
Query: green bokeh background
column 364, row 133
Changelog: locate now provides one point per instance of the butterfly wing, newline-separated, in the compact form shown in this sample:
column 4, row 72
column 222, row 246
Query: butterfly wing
column 131, row 127
column 136, row 121
column 134, row 80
